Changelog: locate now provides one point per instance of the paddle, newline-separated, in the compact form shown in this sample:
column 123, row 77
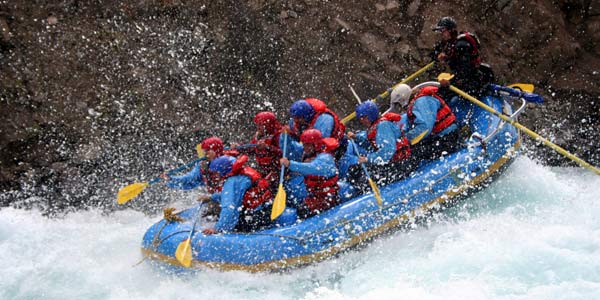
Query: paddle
column 184, row 249
column 351, row 116
column 280, row 197
column 526, row 130
column 371, row 182
column 129, row 192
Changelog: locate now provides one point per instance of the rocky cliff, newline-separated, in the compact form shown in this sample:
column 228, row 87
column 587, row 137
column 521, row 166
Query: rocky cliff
column 97, row 94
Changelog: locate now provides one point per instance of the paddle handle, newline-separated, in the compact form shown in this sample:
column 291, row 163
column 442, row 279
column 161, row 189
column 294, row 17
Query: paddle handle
column 527, row 131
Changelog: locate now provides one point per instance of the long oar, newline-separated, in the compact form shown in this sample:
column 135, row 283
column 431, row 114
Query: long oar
column 526, row 130
column 184, row 249
column 280, row 197
column 386, row 93
column 131, row 191
column 371, row 182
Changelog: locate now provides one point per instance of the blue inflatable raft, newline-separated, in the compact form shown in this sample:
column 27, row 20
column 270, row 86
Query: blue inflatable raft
column 491, row 147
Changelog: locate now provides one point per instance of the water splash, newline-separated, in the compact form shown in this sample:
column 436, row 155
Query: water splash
column 533, row 234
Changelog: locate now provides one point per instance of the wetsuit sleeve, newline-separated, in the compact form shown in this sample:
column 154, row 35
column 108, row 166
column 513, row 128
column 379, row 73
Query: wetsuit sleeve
column 231, row 200
column 187, row 181
column 324, row 124
column 294, row 148
column 322, row 165
column 437, row 49
column 386, row 143
column 425, row 111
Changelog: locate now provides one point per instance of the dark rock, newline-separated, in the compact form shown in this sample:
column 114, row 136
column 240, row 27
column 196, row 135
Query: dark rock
column 111, row 92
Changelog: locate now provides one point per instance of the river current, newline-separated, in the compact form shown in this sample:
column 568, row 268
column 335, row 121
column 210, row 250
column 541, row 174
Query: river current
column 532, row 234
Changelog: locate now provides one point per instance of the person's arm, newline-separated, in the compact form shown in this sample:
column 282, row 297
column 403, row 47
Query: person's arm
column 231, row 200
column 437, row 49
column 386, row 143
column 294, row 148
column 425, row 111
column 324, row 124
column 187, row 181
column 322, row 165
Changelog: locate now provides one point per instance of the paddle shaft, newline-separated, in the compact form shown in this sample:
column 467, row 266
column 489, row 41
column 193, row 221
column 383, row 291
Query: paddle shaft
column 371, row 182
column 179, row 169
column 527, row 131
column 285, row 139
column 386, row 93
column 358, row 154
column 194, row 162
column 196, row 218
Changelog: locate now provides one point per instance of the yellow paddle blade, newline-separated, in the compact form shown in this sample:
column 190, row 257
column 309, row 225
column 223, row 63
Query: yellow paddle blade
column 129, row 192
column 445, row 76
column 278, row 203
column 199, row 150
column 376, row 192
column 525, row 87
column 184, row 253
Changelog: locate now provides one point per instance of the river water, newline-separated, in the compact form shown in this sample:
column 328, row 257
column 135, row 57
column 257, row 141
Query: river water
column 533, row 234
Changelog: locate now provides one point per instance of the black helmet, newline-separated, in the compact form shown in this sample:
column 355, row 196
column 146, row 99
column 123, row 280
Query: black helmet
column 445, row 22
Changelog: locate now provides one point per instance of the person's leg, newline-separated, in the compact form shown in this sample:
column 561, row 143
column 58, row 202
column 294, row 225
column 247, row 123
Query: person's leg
column 295, row 191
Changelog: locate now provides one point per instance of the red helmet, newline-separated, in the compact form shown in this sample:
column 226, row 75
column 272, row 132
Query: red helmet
column 213, row 143
column 265, row 118
column 311, row 136
column 268, row 120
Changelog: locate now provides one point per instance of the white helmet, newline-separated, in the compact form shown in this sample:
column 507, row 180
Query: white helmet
column 401, row 95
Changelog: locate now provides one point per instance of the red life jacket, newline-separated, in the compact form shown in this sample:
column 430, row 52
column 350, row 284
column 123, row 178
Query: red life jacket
column 322, row 191
column 475, row 45
column 444, row 118
column 321, row 108
column 259, row 192
column 402, row 144
column 268, row 158
column 212, row 181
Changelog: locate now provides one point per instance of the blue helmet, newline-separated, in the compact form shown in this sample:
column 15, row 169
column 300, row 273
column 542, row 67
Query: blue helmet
column 222, row 165
column 368, row 109
column 302, row 109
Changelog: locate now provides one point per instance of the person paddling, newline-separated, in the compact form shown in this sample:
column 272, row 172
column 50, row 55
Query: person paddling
column 385, row 144
column 200, row 175
column 245, row 198
column 312, row 113
column 314, row 188
column 266, row 146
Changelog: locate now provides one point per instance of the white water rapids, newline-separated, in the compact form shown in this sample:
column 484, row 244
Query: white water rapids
column 533, row 234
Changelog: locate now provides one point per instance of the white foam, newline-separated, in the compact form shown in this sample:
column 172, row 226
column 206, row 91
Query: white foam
column 533, row 234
